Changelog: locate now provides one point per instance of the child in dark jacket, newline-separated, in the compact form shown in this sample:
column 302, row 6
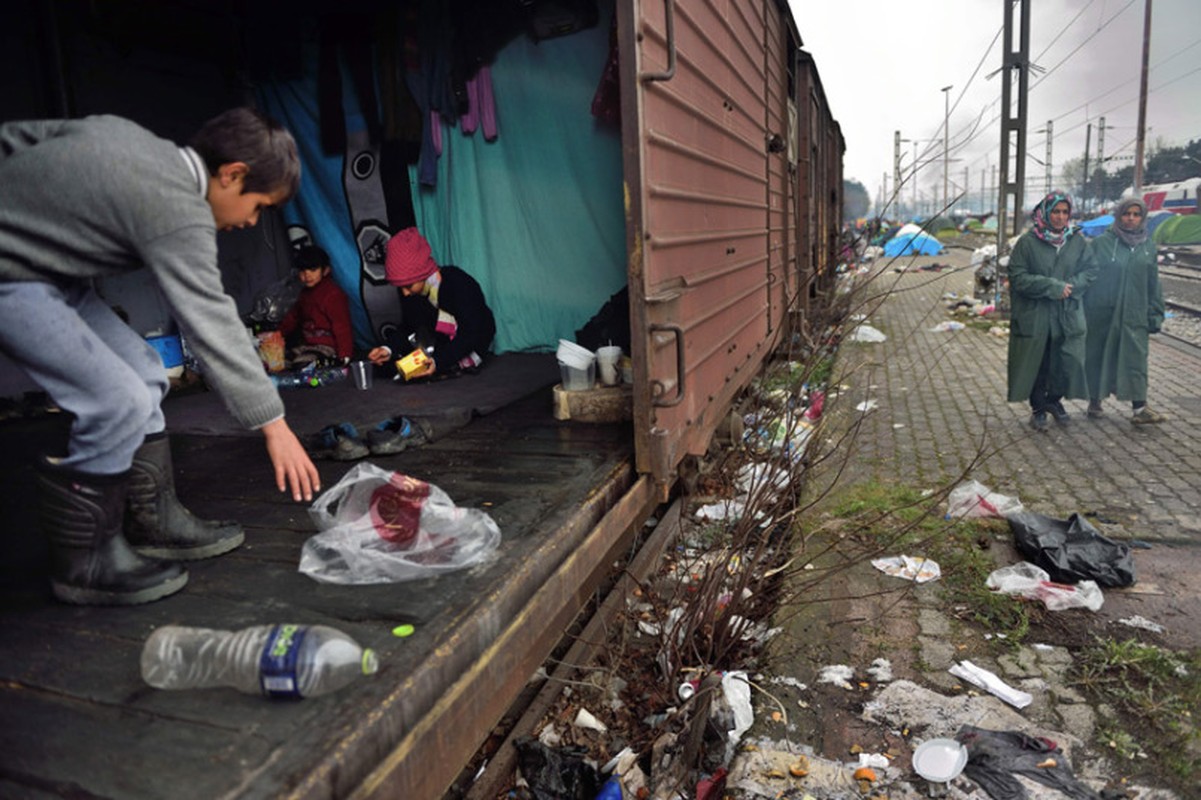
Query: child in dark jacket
column 322, row 313
column 442, row 307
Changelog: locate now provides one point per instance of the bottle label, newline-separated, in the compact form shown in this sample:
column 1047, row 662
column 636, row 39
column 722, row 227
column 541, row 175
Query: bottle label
column 277, row 667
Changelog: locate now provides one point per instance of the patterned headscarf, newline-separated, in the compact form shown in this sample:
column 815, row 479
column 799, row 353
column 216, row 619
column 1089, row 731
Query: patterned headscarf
column 1042, row 219
column 1137, row 236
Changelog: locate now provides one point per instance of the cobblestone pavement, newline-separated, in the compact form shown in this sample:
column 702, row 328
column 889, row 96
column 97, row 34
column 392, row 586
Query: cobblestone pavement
column 940, row 412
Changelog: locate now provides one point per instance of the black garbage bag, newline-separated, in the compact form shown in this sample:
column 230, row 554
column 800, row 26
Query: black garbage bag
column 1071, row 550
column 994, row 757
column 559, row 773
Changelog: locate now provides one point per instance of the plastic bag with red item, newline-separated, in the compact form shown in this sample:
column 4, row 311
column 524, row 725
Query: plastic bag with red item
column 974, row 499
column 379, row 526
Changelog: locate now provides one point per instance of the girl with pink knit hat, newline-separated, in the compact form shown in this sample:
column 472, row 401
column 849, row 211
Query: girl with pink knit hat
column 441, row 307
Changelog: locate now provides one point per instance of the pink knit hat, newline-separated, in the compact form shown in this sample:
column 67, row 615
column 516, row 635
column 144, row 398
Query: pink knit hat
column 408, row 260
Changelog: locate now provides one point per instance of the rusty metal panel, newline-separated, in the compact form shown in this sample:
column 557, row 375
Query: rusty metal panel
column 781, row 282
column 696, row 165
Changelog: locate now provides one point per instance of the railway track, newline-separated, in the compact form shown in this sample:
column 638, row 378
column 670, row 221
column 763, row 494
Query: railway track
column 1184, row 329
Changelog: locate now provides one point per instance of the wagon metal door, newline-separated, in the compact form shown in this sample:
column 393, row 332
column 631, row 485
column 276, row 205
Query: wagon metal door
column 694, row 100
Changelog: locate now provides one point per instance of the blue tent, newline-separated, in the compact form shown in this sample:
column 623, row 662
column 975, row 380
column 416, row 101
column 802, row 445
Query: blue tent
column 1095, row 227
column 908, row 244
column 1157, row 218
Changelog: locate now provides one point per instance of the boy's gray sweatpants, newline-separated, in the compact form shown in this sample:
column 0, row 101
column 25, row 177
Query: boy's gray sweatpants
column 91, row 364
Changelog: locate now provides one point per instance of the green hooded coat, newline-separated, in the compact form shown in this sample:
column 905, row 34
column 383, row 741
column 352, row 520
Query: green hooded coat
column 1040, row 318
column 1123, row 305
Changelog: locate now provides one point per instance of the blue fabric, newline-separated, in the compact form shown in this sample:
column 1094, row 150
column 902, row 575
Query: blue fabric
column 534, row 216
column 320, row 205
column 1095, row 227
column 922, row 244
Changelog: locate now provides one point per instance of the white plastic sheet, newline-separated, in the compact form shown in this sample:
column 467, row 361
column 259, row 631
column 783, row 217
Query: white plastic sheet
column 379, row 526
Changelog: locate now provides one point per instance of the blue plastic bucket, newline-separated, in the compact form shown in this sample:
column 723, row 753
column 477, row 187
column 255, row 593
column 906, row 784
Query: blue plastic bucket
column 169, row 350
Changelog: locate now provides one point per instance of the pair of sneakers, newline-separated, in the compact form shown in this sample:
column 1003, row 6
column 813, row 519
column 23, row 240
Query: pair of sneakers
column 1145, row 415
column 395, row 434
column 342, row 442
column 1038, row 420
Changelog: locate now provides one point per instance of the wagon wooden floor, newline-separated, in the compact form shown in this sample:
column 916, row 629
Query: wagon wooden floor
column 76, row 719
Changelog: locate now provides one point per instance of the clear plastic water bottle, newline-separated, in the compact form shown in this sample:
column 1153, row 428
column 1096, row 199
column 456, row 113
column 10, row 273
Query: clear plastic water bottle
column 275, row 660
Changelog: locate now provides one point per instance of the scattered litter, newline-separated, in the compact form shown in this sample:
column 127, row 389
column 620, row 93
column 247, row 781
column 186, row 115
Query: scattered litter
column 939, row 760
column 788, row 680
column 974, row 499
column 919, row 570
column 988, row 681
column 1142, row 622
column 866, row 333
column 556, row 772
column 866, row 405
column 725, row 510
column 995, row 758
column 948, row 325
column 737, row 692
column 1071, row 550
column 585, row 719
column 837, row 674
column 881, row 670
column 877, row 760
column 1027, row 580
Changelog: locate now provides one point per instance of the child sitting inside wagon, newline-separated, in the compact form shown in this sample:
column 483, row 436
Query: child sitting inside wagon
column 444, row 312
column 322, row 313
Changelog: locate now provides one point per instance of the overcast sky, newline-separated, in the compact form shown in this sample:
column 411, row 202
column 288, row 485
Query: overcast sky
column 884, row 62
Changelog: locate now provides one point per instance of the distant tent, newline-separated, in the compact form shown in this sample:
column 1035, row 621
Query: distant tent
column 886, row 235
column 912, row 240
column 937, row 225
column 1181, row 229
column 1095, row 227
column 1157, row 218
column 990, row 224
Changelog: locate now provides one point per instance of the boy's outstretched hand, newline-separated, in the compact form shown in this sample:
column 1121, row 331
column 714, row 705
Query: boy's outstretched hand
column 294, row 469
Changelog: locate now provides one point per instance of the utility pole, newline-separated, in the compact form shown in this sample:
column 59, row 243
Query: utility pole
column 1013, row 131
column 1088, row 138
column 1100, row 190
column 992, row 186
column 915, row 211
column 1050, row 131
column 946, row 140
column 965, row 185
column 1142, row 103
column 896, row 161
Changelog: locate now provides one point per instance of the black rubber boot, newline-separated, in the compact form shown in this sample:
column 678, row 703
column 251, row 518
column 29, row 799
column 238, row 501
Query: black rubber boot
column 91, row 561
column 157, row 524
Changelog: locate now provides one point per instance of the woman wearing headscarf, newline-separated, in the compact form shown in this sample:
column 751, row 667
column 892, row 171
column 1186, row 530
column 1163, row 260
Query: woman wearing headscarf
column 1048, row 271
column 443, row 310
column 1123, row 306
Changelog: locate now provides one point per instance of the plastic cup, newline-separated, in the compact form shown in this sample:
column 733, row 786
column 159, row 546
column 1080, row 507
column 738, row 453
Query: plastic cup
column 607, row 359
column 363, row 374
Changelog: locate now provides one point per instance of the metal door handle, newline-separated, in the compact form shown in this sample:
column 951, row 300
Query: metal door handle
column 670, row 30
column 660, row 388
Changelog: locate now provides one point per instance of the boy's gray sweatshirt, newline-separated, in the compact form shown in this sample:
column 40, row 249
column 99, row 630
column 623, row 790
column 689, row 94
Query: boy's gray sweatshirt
column 100, row 196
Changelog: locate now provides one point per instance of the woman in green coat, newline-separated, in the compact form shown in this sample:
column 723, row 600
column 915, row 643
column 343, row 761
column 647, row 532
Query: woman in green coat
column 1123, row 306
column 1048, row 270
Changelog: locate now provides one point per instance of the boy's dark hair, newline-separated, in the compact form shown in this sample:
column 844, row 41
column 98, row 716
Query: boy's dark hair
column 310, row 256
column 243, row 134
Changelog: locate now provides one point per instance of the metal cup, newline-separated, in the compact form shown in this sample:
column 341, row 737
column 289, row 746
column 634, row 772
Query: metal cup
column 361, row 370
